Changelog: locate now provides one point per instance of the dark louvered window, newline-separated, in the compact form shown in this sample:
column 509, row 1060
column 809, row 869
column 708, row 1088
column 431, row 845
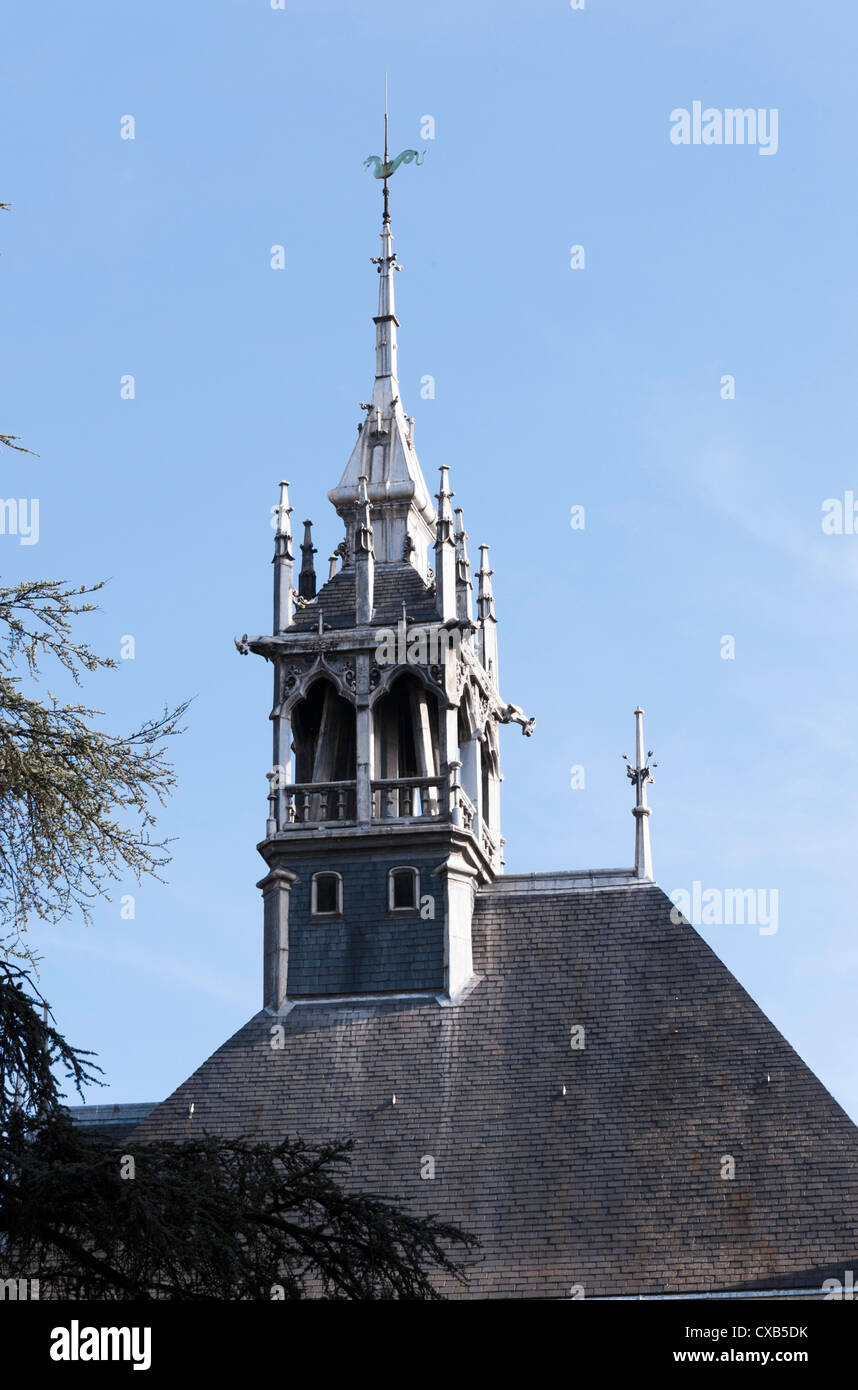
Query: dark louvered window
column 326, row 894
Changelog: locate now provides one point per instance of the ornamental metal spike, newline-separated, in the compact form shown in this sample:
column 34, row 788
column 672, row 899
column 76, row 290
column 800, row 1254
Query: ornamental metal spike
column 640, row 774
column 385, row 167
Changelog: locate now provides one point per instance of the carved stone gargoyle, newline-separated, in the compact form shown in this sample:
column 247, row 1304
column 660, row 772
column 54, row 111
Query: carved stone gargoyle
column 514, row 714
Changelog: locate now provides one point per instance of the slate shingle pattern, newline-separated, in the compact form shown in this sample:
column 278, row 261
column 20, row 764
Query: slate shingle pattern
column 394, row 585
column 615, row 1186
column 369, row 949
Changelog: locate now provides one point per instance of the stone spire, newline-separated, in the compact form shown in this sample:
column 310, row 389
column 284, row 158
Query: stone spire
column 369, row 819
column 445, row 552
column 386, row 322
column 307, row 577
column 464, row 584
column 284, row 562
column 640, row 774
column 384, row 452
column 488, row 640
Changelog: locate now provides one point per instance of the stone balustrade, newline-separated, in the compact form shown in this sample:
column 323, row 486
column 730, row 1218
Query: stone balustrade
column 397, row 798
column 317, row 802
column 393, row 799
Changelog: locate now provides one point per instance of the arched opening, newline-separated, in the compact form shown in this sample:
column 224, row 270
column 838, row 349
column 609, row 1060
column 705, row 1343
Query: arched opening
column 323, row 741
column 326, row 895
column 406, row 751
column 473, row 772
column 484, row 797
column 490, row 772
column 403, row 888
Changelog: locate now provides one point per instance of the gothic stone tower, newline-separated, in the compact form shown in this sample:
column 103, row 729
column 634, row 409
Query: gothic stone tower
column 572, row 1103
column 384, row 801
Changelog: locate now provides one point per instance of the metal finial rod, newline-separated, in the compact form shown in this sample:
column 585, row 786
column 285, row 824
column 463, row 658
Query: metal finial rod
column 386, row 156
column 640, row 774
column 639, row 756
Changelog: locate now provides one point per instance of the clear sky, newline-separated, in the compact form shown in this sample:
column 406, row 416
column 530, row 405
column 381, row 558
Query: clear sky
column 555, row 387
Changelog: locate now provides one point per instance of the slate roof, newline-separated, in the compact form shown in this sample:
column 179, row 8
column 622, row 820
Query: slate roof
column 110, row 1122
column 615, row 1186
column 393, row 586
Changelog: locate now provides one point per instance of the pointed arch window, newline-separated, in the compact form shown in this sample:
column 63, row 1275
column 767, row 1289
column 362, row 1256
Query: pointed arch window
column 323, row 741
column 406, row 743
column 323, row 728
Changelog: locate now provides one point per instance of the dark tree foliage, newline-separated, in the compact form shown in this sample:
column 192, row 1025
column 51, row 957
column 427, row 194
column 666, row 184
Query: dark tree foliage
column 31, row 1054
column 205, row 1219
column 209, row 1219
column 75, row 800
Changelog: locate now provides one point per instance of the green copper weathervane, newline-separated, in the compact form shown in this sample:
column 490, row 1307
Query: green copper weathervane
column 387, row 167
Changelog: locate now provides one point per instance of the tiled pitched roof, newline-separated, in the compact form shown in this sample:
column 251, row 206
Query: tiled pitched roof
column 615, row 1186
column 394, row 585
column 111, row 1123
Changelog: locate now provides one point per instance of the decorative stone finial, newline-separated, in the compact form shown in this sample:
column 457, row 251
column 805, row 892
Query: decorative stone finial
column 445, row 513
column 284, row 513
column 464, row 583
column 283, row 563
column 445, row 552
column 488, row 635
column 640, row 774
column 485, row 597
column 307, row 576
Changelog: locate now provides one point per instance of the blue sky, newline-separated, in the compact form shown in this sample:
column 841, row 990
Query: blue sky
column 555, row 387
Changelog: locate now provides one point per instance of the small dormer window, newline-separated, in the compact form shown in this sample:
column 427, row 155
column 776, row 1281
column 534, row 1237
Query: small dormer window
column 326, row 895
column 403, row 887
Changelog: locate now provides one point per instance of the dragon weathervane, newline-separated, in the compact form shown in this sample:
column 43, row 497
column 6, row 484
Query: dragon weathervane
column 385, row 168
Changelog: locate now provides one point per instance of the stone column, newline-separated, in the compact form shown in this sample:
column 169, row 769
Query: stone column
column 448, row 740
column 491, row 754
column 276, row 888
column 364, row 557
column 363, row 738
column 457, row 877
column 472, row 774
column 491, row 813
column 282, row 755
